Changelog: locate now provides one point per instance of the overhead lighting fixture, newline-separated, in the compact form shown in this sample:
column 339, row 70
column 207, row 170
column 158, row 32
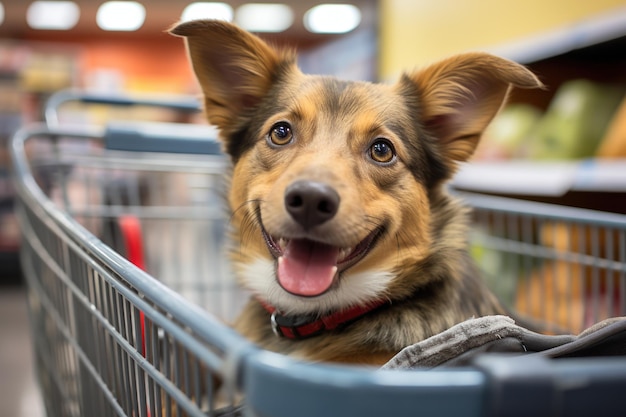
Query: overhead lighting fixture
column 121, row 15
column 52, row 15
column 207, row 10
column 332, row 18
column 264, row 17
column 1, row 13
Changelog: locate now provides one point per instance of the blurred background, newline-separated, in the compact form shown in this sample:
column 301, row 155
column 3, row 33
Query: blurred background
column 565, row 144
column 578, row 48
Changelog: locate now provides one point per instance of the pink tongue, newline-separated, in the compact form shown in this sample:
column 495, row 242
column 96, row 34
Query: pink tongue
column 307, row 268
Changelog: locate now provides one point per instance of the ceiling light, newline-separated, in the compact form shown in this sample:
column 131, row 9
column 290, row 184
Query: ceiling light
column 1, row 13
column 264, row 17
column 52, row 15
column 332, row 18
column 206, row 10
column 121, row 15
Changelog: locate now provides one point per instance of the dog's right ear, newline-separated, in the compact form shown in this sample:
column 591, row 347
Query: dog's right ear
column 234, row 68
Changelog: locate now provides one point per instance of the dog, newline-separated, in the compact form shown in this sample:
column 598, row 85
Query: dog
column 342, row 226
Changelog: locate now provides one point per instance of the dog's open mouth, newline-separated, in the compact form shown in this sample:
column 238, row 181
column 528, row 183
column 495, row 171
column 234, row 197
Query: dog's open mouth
column 309, row 268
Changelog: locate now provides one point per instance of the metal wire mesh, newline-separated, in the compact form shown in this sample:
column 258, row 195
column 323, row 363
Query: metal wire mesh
column 104, row 345
column 564, row 266
column 176, row 203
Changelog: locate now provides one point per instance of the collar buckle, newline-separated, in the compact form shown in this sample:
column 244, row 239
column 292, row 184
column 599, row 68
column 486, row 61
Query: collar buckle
column 275, row 326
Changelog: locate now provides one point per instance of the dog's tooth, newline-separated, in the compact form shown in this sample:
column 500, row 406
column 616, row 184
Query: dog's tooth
column 282, row 242
column 334, row 270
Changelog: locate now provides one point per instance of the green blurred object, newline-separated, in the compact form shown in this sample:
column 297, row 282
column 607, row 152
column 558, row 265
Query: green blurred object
column 500, row 269
column 575, row 121
column 508, row 133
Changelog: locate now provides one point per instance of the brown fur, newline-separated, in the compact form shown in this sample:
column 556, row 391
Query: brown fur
column 433, row 118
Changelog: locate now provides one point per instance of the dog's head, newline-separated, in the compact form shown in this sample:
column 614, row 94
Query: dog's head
column 332, row 180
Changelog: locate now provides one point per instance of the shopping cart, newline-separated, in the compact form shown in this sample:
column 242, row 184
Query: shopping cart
column 112, row 339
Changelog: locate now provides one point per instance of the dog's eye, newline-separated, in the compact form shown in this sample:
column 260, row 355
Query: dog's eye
column 382, row 151
column 281, row 134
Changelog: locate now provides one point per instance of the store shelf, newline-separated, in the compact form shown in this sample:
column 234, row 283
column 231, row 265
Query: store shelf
column 549, row 178
column 595, row 30
column 593, row 49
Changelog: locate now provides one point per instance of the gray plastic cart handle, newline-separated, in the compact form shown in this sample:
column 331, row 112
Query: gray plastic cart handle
column 144, row 136
column 162, row 137
column 497, row 385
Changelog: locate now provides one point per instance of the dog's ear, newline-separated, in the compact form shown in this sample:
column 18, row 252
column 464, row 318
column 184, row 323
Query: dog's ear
column 234, row 68
column 459, row 96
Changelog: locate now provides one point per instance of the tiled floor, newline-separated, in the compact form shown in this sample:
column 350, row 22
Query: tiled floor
column 19, row 394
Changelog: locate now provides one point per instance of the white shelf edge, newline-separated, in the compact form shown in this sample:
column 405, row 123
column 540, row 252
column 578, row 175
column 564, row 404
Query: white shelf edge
column 553, row 179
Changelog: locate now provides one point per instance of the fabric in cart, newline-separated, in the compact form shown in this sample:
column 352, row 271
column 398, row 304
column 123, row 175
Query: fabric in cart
column 462, row 343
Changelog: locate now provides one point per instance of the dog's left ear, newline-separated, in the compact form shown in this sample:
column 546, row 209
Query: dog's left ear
column 460, row 96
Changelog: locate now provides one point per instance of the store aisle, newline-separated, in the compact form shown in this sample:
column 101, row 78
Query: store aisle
column 19, row 394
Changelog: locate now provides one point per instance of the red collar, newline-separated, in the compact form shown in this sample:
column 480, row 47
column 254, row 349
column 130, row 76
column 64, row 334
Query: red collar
column 302, row 327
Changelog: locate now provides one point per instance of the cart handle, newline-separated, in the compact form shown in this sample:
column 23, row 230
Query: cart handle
column 179, row 138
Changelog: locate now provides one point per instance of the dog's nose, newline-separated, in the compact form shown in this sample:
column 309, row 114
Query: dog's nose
column 311, row 203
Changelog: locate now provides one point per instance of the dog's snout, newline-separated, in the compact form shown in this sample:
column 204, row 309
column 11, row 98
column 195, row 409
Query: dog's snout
column 311, row 203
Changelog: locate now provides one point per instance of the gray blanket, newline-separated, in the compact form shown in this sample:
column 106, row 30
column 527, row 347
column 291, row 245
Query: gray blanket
column 460, row 344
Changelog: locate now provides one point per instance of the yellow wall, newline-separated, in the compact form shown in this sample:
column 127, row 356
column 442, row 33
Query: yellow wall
column 414, row 32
